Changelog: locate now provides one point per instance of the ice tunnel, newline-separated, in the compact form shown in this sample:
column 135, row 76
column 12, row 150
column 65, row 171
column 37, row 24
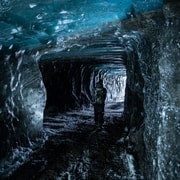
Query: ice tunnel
column 70, row 75
column 53, row 52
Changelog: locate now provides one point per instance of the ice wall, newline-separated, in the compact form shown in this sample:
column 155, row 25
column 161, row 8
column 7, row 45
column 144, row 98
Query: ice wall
column 169, row 96
column 22, row 99
column 30, row 24
column 159, row 70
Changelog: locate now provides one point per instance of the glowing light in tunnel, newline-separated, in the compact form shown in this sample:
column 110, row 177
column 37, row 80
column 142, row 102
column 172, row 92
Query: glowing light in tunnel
column 115, row 86
column 114, row 80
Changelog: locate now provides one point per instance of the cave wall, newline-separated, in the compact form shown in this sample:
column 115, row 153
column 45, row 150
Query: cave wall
column 160, row 91
column 22, row 99
column 152, row 81
column 67, row 83
column 134, row 95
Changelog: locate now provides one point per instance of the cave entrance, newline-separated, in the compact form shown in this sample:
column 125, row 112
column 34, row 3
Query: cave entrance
column 70, row 83
column 114, row 80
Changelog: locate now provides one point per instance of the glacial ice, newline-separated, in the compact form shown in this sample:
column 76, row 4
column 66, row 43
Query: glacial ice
column 34, row 23
column 37, row 24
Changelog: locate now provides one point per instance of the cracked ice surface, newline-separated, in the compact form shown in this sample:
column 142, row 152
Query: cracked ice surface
column 34, row 23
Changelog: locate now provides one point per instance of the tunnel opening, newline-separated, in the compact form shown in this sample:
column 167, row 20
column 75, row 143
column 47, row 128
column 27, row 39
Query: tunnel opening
column 70, row 75
column 114, row 80
column 119, row 62
column 143, row 95
column 69, row 80
column 69, row 112
column 70, row 84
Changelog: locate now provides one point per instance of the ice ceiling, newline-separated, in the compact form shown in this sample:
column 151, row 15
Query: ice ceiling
column 32, row 23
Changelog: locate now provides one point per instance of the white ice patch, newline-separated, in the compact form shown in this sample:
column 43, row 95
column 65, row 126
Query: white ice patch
column 63, row 12
column 130, row 162
column 39, row 16
column 32, row 5
column 16, row 30
column 13, row 31
column 34, row 102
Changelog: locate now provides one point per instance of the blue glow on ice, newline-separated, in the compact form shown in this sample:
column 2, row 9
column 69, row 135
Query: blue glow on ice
column 34, row 23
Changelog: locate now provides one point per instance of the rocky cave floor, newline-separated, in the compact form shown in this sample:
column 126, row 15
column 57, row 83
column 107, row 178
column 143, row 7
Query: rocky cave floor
column 76, row 149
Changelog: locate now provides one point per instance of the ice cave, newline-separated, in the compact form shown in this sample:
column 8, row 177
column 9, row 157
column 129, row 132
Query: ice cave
column 52, row 54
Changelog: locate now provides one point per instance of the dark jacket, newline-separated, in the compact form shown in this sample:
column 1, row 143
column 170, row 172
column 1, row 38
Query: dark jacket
column 100, row 95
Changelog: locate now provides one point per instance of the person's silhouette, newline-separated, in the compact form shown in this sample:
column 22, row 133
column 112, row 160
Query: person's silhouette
column 99, row 103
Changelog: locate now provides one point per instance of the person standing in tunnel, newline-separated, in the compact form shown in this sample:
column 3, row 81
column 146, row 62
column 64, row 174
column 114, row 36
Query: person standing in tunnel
column 99, row 103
